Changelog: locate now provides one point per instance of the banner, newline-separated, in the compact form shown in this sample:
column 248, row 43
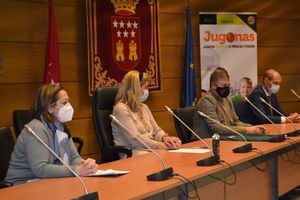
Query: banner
column 229, row 40
column 52, row 68
column 122, row 36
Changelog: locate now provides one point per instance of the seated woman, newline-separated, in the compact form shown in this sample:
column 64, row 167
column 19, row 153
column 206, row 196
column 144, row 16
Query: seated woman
column 30, row 159
column 137, row 117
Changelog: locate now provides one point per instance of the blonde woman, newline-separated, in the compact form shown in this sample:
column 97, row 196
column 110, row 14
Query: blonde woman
column 137, row 117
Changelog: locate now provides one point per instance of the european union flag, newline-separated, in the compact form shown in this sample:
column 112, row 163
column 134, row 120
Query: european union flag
column 189, row 83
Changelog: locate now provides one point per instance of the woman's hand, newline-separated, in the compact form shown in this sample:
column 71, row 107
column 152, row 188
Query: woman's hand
column 88, row 166
column 171, row 142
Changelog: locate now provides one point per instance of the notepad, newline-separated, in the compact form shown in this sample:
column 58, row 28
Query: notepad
column 109, row 172
column 195, row 150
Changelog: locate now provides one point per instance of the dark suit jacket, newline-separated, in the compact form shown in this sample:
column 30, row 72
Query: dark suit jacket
column 257, row 118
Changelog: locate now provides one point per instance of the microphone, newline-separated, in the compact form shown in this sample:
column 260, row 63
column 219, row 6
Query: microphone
column 214, row 159
column 247, row 147
column 291, row 134
column 87, row 196
column 158, row 176
column 278, row 138
column 293, row 91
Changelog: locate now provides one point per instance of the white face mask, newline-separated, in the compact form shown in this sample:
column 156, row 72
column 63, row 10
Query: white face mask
column 65, row 113
column 274, row 88
column 145, row 96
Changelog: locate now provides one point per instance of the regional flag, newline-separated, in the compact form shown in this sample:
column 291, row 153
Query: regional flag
column 52, row 71
column 189, row 84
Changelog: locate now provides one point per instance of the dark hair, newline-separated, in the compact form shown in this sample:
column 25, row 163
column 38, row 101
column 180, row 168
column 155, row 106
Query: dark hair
column 219, row 73
column 46, row 95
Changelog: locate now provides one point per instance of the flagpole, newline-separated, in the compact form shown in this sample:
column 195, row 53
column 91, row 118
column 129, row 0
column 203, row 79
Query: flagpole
column 187, row 4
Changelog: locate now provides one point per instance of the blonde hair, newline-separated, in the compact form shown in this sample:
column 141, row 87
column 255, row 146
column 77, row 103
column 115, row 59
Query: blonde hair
column 130, row 89
column 145, row 79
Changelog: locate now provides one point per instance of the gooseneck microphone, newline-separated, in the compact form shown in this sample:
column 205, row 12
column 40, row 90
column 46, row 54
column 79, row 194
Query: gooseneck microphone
column 158, row 176
column 247, row 147
column 279, row 137
column 296, row 132
column 295, row 93
column 213, row 159
column 87, row 196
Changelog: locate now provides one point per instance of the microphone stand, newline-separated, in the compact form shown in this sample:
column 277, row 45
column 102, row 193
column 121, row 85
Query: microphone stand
column 296, row 132
column 247, row 147
column 213, row 159
column 278, row 138
column 166, row 173
column 87, row 196
column 295, row 93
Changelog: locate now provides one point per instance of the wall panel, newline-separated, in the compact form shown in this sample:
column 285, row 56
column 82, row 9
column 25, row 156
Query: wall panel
column 173, row 62
column 270, row 9
column 28, row 22
column 21, row 96
column 25, row 62
column 284, row 59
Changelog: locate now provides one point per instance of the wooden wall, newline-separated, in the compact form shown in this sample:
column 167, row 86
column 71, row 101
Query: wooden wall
column 23, row 33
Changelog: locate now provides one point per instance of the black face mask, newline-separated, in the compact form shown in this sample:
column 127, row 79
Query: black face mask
column 223, row 91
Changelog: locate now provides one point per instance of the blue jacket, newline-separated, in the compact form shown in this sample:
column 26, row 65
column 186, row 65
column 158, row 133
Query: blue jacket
column 257, row 118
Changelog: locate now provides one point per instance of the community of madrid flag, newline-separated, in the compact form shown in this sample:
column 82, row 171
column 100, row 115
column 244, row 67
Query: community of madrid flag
column 122, row 36
column 189, row 85
column 52, row 71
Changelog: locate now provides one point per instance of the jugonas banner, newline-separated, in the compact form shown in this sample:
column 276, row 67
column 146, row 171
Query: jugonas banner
column 122, row 36
column 229, row 40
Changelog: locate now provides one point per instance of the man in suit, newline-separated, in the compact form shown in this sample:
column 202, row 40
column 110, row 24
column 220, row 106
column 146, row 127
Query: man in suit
column 267, row 91
column 217, row 105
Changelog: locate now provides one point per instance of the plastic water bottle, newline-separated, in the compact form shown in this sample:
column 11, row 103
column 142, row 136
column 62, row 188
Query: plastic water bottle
column 216, row 145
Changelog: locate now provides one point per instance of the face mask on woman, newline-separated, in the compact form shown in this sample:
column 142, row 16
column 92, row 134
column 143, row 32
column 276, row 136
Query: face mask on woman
column 65, row 113
column 145, row 96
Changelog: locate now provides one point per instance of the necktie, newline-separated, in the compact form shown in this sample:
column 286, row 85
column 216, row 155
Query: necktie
column 270, row 102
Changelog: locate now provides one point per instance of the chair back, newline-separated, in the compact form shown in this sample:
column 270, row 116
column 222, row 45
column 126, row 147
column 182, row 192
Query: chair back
column 103, row 102
column 6, row 149
column 20, row 118
column 186, row 114
column 243, row 111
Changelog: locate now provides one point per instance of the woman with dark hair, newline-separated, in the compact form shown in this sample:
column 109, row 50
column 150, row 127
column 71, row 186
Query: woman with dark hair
column 30, row 159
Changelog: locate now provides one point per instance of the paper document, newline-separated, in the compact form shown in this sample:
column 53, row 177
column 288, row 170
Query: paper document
column 109, row 172
column 195, row 150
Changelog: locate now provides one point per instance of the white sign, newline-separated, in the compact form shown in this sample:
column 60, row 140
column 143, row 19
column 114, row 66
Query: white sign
column 228, row 40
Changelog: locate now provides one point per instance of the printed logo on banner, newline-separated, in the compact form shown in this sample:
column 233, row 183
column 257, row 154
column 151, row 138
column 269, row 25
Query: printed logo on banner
column 126, row 45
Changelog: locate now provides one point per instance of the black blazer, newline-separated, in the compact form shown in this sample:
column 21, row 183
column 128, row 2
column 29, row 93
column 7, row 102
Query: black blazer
column 257, row 118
